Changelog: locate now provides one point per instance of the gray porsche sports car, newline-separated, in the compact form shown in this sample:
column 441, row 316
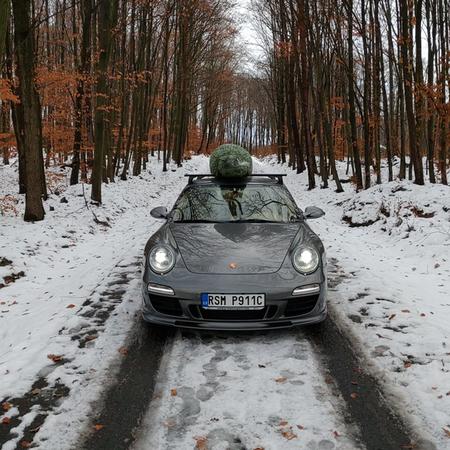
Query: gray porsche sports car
column 235, row 255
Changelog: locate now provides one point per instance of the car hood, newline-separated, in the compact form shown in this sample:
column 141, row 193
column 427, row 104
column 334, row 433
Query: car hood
column 227, row 248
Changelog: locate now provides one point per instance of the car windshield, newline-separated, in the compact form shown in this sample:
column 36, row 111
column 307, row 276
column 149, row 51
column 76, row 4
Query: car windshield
column 246, row 203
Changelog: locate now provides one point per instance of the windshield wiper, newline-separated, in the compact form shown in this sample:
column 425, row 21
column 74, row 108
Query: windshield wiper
column 197, row 221
column 257, row 221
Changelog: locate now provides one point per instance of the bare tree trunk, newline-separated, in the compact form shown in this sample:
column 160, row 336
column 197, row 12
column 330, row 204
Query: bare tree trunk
column 107, row 15
column 30, row 127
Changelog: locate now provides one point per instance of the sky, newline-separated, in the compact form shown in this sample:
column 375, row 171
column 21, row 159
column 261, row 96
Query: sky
column 248, row 36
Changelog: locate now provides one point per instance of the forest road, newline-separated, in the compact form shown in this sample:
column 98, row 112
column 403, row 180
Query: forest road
column 125, row 411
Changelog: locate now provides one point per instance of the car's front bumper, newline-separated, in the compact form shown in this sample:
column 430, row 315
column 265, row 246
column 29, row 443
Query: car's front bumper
column 282, row 310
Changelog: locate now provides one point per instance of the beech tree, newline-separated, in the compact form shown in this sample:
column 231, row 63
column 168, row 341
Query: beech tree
column 29, row 127
column 360, row 72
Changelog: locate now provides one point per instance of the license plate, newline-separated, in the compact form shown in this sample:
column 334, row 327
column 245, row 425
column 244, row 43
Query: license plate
column 233, row 301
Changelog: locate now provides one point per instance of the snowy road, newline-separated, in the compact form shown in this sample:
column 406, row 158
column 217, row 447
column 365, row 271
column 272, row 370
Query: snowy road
column 244, row 392
column 300, row 388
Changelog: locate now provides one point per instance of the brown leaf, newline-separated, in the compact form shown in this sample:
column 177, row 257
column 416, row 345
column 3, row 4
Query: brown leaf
column 392, row 316
column 98, row 427
column 300, row 427
column 280, row 379
column 406, row 311
column 123, row 351
column 354, row 395
column 423, row 315
column 447, row 432
column 283, row 423
column 6, row 406
column 336, row 434
column 288, row 434
column 200, row 442
column 407, row 364
column 25, row 444
column 6, row 420
column 36, row 391
column 173, row 392
column 259, row 448
column 55, row 358
column 71, row 306
column 169, row 423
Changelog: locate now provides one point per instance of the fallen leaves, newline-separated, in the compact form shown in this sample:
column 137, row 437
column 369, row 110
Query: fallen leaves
column 25, row 444
column 407, row 364
column 123, row 351
column 281, row 379
column 6, row 420
column 354, row 395
column 200, row 442
column 170, row 423
column 447, row 432
column 70, row 306
column 55, row 358
column 173, row 392
column 288, row 434
column 286, row 430
column 336, row 434
column 98, row 427
column 6, row 406
column 392, row 316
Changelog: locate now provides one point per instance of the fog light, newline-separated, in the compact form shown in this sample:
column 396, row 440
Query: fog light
column 158, row 289
column 307, row 290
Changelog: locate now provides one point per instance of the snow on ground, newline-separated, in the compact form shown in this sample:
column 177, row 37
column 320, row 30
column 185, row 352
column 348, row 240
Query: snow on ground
column 244, row 391
column 71, row 274
column 391, row 244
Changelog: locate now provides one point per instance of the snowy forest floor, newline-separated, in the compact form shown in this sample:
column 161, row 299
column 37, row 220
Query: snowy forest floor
column 70, row 295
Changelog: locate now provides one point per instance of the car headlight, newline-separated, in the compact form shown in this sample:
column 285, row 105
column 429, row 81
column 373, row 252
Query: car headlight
column 305, row 260
column 161, row 259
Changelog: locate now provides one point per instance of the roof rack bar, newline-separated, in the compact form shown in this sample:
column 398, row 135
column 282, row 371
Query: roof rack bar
column 277, row 176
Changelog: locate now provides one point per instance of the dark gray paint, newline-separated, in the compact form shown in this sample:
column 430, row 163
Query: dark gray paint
column 262, row 253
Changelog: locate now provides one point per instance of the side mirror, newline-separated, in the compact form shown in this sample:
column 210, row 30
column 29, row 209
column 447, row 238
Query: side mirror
column 313, row 212
column 159, row 213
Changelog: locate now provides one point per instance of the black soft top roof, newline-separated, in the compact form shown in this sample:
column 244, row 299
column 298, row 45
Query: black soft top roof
column 260, row 178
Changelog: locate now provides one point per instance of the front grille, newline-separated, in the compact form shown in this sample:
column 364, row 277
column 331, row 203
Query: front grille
column 166, row 305
column 300, row 305
column 233, row 315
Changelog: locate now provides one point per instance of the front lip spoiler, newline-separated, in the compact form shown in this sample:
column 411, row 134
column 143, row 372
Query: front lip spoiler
column 238, row 326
